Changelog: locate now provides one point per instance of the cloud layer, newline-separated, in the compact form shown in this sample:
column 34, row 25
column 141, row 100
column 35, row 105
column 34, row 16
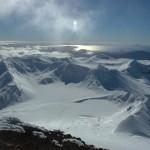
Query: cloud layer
column 49, row 17
column 96, row 20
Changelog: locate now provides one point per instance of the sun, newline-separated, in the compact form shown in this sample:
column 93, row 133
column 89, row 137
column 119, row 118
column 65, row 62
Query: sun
column 75, row 25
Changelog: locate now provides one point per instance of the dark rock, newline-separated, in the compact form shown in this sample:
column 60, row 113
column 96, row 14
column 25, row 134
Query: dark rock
column 16, row 135
column 46, row 81
column 71, row 73
column 138, row 70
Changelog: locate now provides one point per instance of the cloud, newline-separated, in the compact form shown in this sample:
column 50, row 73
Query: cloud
column 9, row 7
column 54, row 18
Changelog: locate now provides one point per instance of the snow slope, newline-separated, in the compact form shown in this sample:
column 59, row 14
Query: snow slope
column 102, row 97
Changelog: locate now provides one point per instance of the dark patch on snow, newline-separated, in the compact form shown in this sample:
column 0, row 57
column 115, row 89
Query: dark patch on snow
column 71, row 73
column 93, row 98
column 3, row 67
column 109, row 79
column 138, row 70
column 46, row 81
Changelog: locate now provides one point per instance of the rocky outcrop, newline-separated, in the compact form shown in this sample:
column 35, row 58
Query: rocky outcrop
column 16, row 135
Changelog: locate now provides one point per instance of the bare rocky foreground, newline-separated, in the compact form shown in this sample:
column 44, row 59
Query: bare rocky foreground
column 16, row 135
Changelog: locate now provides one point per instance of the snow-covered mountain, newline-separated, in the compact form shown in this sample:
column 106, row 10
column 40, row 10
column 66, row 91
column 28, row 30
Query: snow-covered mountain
column 9, row 92
column 101, row 96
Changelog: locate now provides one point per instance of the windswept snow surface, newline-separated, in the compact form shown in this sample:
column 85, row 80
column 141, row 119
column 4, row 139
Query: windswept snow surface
column 100, row 96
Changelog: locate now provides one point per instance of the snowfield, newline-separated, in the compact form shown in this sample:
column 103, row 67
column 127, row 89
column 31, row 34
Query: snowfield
column 101, row 96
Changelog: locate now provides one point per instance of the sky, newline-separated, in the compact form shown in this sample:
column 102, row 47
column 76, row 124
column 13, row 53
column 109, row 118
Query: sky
column 76, row 21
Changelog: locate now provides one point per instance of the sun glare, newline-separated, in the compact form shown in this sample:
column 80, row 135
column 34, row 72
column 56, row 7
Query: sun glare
column 92, row 47
column 75, row 25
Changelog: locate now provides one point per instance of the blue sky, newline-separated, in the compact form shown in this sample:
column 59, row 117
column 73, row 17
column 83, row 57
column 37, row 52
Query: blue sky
column 96, row 21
